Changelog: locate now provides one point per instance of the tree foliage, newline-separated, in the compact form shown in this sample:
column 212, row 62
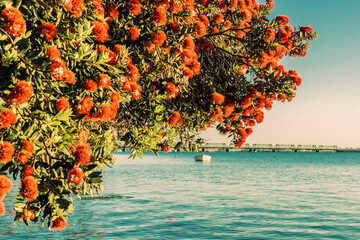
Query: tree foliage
column 77, row 76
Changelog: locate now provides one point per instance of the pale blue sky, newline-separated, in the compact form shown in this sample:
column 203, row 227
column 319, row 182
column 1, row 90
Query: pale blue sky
column 326, row 109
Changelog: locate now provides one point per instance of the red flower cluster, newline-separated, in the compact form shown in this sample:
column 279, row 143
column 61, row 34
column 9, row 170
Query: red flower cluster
column 82, row 153
column 26, row 171
column 62, row 104
column 48, row 30
column 99, row 8
column 175, row 119
column 160, row 15
column 134, row 7
column 75, row 6
column 20, row 94
column 14, row 23
column 217, row 98
column 7, row 118
column 86, row 104
column 25, row 153
column 170, row 90
column 29, row 188
column 5, row 186
column 76, row 175
column 228, row 108
column 100, row 29
column 218, row 19
column 270, row 35
column 176, row 6
column 104, row 81
column 58, row 66
column 58, row 224
column 6, row 152
column 158, row 38
column 306, row 29
column 134, row 33
column 284, row 20
column 91, row 86
column 111, row 12
column 165, row 148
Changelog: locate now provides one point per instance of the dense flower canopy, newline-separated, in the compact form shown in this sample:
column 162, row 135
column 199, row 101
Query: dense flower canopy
column 77, row 77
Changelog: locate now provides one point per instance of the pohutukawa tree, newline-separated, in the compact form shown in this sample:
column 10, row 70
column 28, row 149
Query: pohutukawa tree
column 79, row 75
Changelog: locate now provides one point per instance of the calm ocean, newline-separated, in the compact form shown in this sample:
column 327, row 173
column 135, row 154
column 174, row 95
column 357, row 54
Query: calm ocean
column 236, row 196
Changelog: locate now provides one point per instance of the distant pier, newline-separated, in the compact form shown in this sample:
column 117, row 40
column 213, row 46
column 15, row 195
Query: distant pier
column 223, row 147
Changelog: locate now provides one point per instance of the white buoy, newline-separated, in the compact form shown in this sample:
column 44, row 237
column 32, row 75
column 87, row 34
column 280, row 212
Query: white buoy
column 203, row 158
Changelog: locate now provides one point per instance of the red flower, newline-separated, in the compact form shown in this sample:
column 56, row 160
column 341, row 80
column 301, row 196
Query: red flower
column 53, row 53
column 91, row 86
column 200, row 28
column 176, row 6
column 20, row 94
column 77, row 8
column 228, row 108
column 160, row 16
column 125, row 84
column 104, row 81
column 134, row 7
column 270, row 35
column 14, row 23
column 158, row 38
column 134, row 73
column 165, row 148
column 29, row 188
column 62, row 104
column 204, row 19
column 58, row 68
column 23, row 157
column 6, row 152
column 135, row 91
column 174, row 118
column 86, row 105
column 82, row 153
column 189, row 5
column 228, row 24
column 187, row 72
column 5, row 186
column 76, row 174
column 307, row 29
column 69, row 76
column 7, row 117
column 284, row 20
column 216, row 98
column 281, row 97
column 115, row 98
column 58, row 224
column 99, row 8
column 234, row 5
column 189, row 44
column 48, row 29
column 218, row 19
column 28, row 146
column 134, row 32
column 26, row 171
column 100, row 30
column 111, row 12
column 188, row 56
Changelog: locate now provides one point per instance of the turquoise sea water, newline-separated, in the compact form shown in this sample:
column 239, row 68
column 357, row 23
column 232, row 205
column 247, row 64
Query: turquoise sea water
column 236, row 196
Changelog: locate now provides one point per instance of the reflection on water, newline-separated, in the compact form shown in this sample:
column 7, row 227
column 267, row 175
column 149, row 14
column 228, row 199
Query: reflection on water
column 236, row 196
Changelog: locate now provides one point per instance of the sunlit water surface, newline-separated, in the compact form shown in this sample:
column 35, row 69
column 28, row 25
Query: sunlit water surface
column 236, row 196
